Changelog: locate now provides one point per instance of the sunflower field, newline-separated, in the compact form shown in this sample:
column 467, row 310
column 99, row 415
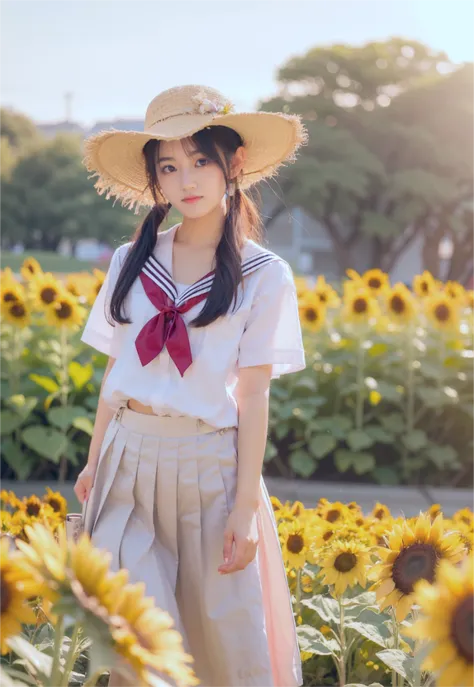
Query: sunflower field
column 386, row 396
column 378, row 601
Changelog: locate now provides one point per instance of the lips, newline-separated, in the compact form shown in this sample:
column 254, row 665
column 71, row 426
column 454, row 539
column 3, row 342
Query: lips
column 192, row 199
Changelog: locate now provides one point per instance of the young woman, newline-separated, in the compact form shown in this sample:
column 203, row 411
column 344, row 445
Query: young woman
column 195, row 320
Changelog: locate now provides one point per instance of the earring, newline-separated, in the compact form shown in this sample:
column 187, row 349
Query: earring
column 232, row 188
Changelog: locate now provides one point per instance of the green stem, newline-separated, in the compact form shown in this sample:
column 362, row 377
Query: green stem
column 71, row 657
column 396, row 644
column 58, row 640
column 64, row 393
column 342, row 639
column 416, row 669
column 410, row 405
column 359, row 414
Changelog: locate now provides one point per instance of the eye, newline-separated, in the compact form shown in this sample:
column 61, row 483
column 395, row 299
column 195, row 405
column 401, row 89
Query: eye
column 203, row 159
column 163, row 169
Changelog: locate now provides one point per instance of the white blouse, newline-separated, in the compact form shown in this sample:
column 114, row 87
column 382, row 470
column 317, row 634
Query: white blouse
column 263, row 328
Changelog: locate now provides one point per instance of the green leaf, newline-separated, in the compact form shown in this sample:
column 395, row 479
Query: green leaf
column 358, row 439
column 9, row 421
column 63, row 416
column 85, row 424
column 415, row 439
column 343, row 459
column 377, row 349
column 270, row 451
column 432, row 398
column 379, row 434
column 91, row 402
column 314, row 642
column 368, row 631
column 20, row 461
column 385, row 475
column 22, row 405
column 302, row 463
column 45, row 441
column 398, row 661
column 360, row 461
column 326, row 607
column 36, row 659
column 337, row 425
column 322, row 444
column 44, row 382
column 442, row 455
column 393, row 422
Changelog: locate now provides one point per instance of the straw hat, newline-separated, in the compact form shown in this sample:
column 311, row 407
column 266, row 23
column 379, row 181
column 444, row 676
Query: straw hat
column 116, row 157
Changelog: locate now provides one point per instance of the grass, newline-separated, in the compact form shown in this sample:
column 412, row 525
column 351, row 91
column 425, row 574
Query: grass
column 49, row 261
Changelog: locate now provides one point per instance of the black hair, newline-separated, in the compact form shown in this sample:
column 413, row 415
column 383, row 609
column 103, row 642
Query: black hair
column 241, row 221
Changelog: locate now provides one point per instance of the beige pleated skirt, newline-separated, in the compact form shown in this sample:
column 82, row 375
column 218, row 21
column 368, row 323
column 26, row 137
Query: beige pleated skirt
column 163, row 490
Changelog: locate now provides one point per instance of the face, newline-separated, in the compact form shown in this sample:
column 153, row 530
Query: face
column 182, row 174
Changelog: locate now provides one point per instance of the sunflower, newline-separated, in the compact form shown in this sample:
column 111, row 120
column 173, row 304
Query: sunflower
column 446, row 621
column 333, row 512
column 45, row 290
column 464, row 515
column 424, row 284
column 455, row 290
column 296, row 543
column 400, row 303
column 301, row 285
column 46, row 557
column 17, row 313
column 9, row 498
column 11, row 292
column 375, row 280
column 30, row 268
column 146, row 639
column 443, row 312
column 57, row 502
column 344, row 565
column 359, row 306
column 325, row 293
column 66, row 312
column 17, row 586
column 469, row 299
column 412, row 553
column 312, row 312
column 380, row 511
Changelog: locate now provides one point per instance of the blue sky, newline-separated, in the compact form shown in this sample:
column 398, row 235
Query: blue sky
column 114, row 56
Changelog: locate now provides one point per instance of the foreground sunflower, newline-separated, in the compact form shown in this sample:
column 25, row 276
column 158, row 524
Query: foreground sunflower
column 17, row 313
column 17, row 586
column 447, row 623
column 57, row 501
column 301, row 285
column 375, row 280
column 344, row 565
column 11, row 292
column 455, row 290
column 359, row 305
column 66, row 312
column 412, row 553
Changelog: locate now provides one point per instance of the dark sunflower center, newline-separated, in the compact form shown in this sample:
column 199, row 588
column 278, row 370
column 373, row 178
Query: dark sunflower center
column 442, row 313
column 379, row 513
column 424, row 286
column 297, row 511
column 64, row 312
column 327, row 535
column 30, row 268
column 275, row 506
column 414, row 563
column 55, row 505
column 6, row 595
column 9, row 297
column 295, row 543
column 323, row 297
column 462, row 630
column 375, row 283
column 360, row 305
column 333, row 515
column 33, row 509
column 311, row 314
column 48, row 295
column 397, row 304
column 345, row 561
column 17, row 310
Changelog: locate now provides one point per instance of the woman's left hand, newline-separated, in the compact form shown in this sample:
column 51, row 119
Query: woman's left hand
column 240, row 540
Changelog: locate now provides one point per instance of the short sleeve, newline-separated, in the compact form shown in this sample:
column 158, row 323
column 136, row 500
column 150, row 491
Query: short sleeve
column 98, row 332
column 272, row 333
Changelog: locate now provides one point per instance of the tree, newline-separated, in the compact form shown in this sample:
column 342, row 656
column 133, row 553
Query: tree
column 380, row 168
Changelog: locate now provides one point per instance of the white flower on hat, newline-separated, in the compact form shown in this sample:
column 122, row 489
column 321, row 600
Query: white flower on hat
column 205, row 105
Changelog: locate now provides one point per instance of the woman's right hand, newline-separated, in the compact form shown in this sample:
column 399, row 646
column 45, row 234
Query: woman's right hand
column 84, row 483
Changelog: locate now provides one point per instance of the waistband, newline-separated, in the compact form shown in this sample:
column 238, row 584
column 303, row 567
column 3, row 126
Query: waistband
column 163, row 425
